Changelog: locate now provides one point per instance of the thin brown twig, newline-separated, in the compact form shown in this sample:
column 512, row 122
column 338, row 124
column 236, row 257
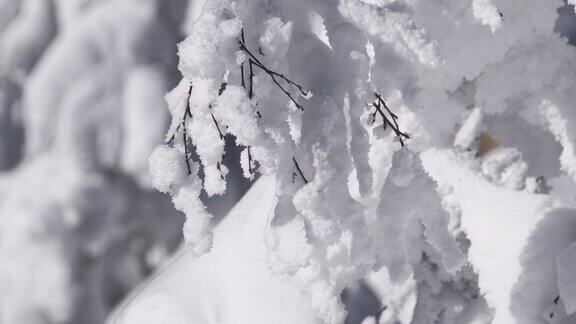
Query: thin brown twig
column 188, row 102
column 223, row 86
column 242, row 82
column 186, row 154
column 187, row 113
column 217, row 127
column 299, row 170
column 219, row 168
column 394, row 124
column 250, row 170
column 253, row 60
column 182, row 126
column 261, row 65
column 251, row 79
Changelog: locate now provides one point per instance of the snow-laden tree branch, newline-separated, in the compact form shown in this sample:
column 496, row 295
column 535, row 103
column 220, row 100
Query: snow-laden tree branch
column 301, row 85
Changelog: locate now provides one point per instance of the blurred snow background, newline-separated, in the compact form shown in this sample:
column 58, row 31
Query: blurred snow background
column 82, row 85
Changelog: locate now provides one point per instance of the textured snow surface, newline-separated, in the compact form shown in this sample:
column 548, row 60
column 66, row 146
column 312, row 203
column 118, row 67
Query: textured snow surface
column 231, row 284
column 516, row 237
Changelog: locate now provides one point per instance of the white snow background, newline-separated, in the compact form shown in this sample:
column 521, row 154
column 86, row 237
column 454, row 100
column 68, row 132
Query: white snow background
column 299, row 206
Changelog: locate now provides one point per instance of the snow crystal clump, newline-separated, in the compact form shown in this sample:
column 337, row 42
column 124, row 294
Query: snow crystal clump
column 487, row 14
column 166, row 167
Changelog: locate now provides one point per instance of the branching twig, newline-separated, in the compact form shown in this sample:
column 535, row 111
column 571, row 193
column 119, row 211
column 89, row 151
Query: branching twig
column 270, row 72
column 275, row 76
column 378, row 105
column 254, row 61
column 182, row 126
column 187, row 113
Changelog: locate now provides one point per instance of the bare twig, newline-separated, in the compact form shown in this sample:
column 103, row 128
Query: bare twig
column 251, row 79
column 299, row 171
column 242, row 82
column 556, row 300
column 378, row 105
column 217, row 127
column 182, row 126
column 185, row 143
column 272, row 73
column 250, row 170
column 219, row 169
column 223, row 86
column 187, row 113
column 254, row 61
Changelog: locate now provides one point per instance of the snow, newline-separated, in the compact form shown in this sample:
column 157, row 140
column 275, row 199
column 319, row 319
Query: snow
column 166, row 167
column 487, row 13
column 393, row 27
column 510, row 232
column 289, row 246
column 231, row 284
column 470, row 130
column 558, row 127
column 566, row 278
column 65, row 219
column 27, row 36
column 506, row 167
column 408, row 181
column 422, row 154
column 81, row 108
column 392, row 82
column 143, row 94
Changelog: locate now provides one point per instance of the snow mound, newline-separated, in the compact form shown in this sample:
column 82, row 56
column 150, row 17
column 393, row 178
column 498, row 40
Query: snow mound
column 231, row 284
column 515, row 238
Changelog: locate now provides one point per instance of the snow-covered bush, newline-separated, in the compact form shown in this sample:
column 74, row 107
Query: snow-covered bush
column 404, row 136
